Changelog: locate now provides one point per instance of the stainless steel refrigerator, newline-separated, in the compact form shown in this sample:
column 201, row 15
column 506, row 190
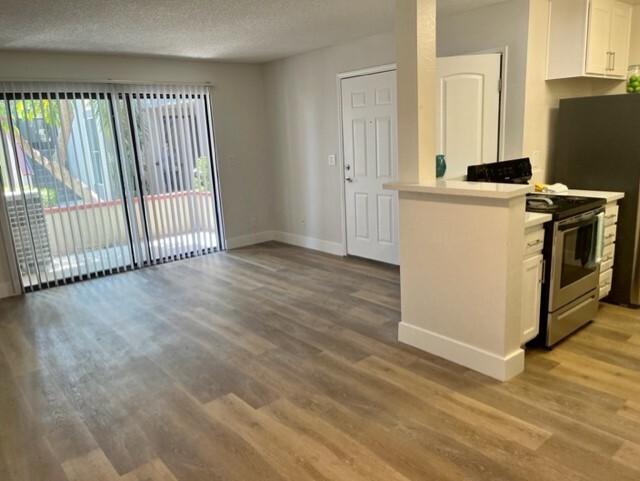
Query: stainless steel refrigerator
column 597, row 143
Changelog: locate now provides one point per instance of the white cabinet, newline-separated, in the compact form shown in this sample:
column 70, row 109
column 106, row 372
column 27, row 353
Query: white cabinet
column 606, row 267
column 588, row 38
column 532, row 272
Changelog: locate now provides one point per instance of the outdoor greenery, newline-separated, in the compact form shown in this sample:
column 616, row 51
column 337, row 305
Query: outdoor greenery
column 48, row 197
column 202, row 174
column 29, row 110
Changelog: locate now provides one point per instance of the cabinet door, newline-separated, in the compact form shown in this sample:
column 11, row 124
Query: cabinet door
column 600, row 14
column 530, row 299
column 619, row 39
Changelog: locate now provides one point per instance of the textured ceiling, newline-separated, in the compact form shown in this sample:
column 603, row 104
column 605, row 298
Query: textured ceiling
column 232, row 30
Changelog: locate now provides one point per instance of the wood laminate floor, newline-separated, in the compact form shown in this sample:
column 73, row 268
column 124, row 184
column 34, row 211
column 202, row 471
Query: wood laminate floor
column 276, row 363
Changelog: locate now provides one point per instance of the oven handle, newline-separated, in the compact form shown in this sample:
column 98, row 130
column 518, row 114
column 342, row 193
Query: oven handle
column 599, row 237
column 590, row 219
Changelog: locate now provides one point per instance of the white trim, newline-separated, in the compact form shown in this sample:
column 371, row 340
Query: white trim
column 343, row 208
column 334, row 248
column 329, row 247
column 7, row 290
column 250, row 239
column 5, row 233
column 502, row 124
column 367, row 71
column 498, row 367
column 341, row 76
column 502, row 138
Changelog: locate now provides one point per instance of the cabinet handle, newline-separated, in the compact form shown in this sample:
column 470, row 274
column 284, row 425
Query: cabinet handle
column 608, row 61
column 613, row 63
column 544, row 264
column 609, row 236
column 610, row 216
column 534, row 243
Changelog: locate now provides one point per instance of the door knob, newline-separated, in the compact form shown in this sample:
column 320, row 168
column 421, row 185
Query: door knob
column 348, row 179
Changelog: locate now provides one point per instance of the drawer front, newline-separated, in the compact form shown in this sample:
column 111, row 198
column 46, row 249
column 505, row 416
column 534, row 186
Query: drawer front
column 607, row 257
column 610, row 214
column 609, row 235
column 605, row 282
column 533, row 241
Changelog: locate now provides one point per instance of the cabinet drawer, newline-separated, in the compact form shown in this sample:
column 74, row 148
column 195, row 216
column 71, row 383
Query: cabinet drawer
column 610, row 214
column 533, row 241
column 609, row 234
column 605, row 282
column 607, row 257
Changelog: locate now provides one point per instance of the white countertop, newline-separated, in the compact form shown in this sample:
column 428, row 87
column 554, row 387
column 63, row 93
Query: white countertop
column 532, row 219
column 601, row 194
column 463, row 188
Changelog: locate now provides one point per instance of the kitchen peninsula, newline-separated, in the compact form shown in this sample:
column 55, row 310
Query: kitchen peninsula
column 461, row 247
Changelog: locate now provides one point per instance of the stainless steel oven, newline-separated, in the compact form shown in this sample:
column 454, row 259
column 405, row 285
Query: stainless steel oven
column 573, row 273
column 575, row 256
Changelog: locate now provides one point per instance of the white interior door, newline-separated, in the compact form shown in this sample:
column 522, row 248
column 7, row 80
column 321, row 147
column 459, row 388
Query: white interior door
column 467, row 110
column 369, row 119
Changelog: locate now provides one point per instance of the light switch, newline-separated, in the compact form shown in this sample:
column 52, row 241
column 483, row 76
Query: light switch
column 332, row 159
column 535, row 159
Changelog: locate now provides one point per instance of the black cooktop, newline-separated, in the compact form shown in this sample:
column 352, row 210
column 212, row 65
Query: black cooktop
column 561, row 206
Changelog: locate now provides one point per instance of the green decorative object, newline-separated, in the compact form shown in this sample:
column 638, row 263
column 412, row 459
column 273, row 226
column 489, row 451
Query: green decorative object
column 441, row 165
column 633, row 79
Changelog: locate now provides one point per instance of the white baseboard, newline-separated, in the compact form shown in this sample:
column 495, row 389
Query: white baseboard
column 6, row 290
column 310, row 243
column 493, row 365
column 250, row 239
column 287, row 238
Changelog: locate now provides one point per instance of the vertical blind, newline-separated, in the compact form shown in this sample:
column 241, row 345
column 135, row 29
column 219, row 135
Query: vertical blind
column 102, row 178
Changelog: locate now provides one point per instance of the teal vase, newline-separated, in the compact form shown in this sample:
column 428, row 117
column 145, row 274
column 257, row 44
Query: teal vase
column 441, row 166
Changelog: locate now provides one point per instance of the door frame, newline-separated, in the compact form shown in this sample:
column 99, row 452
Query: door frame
column 391, row 67
column 502, row 108
column 7, row 237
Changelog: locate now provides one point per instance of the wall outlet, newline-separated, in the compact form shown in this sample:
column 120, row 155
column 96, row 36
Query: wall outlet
column 332, row 159
column 535, row 159
column 253, row 222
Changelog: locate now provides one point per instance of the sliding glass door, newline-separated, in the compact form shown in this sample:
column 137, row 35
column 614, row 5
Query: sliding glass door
column 173, row 154
column 99, row 179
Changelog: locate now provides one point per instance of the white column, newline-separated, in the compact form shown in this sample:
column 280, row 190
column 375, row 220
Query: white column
column 416, row 76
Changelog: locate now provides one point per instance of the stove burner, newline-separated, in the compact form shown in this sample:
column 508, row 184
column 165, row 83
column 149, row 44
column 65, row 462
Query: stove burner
column 573, row 199
column 561, row 206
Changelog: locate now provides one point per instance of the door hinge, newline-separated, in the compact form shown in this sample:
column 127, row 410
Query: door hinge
column 500, row 85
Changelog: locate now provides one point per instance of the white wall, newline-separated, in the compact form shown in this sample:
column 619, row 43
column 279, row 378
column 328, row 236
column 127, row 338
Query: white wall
column 301, row 95
column 492, row 28
column 239, row 116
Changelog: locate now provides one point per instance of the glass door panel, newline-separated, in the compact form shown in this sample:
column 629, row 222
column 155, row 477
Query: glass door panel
column 63, row 192
column 175, row 173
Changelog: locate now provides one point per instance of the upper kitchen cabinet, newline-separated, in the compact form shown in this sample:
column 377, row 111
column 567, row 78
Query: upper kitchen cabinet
column 588, row 38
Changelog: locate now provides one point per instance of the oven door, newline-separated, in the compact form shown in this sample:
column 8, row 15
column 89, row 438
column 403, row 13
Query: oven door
column 575, row 257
